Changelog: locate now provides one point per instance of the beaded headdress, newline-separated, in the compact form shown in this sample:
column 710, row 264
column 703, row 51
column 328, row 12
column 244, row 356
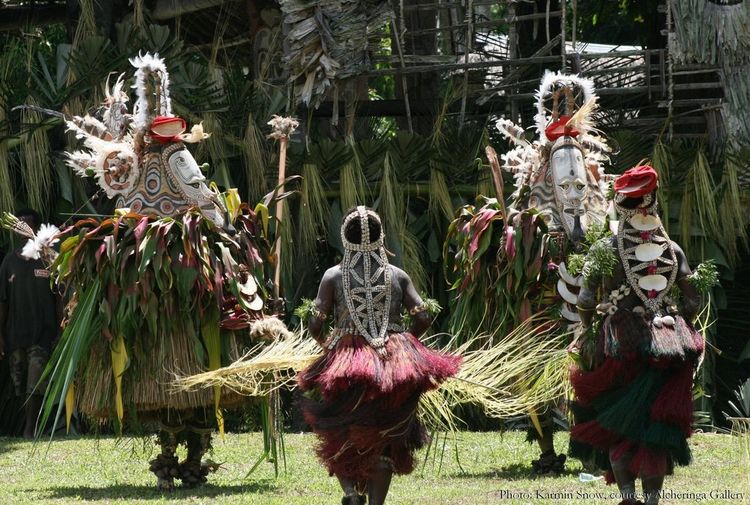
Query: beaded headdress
column 367, row 278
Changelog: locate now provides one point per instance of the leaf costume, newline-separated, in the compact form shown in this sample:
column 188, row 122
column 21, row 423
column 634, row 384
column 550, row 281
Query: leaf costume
column 168, row 285
column 511, row 263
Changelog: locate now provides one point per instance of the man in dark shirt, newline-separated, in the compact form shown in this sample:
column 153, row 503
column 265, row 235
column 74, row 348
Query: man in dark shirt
column 29, row 322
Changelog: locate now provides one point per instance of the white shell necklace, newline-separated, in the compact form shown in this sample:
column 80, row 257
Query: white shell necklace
column 652, row 252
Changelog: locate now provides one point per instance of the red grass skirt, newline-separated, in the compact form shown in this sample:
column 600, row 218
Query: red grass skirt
column 363, row 407
column 637, row 401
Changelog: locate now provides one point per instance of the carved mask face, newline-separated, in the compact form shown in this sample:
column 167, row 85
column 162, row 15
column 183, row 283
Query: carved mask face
column 570, row 180
column 185, row 173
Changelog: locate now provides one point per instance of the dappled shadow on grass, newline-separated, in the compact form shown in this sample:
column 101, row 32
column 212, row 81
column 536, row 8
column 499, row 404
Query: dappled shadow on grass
column 515, row 471
column 9, row 444
column 130, row 491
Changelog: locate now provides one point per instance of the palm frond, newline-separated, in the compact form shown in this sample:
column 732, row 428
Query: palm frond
column 731, row 215
column 36, row 167
column 352, row 180
column 698, row 202
column 72, row 349
column 314, row 212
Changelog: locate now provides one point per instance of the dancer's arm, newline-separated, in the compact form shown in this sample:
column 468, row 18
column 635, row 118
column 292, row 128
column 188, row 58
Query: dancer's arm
column 420, row 316
column 323, row 304
column 690, row 295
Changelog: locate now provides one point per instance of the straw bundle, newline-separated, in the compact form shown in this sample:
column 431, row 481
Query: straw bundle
column 440, row 204
column 215, row 149
column 166, row 357
column 352, row 180
column 262, row 370
column 731, row 215
column 7, row 201
column 661, row 160
column 510, row 377
column 392, row 209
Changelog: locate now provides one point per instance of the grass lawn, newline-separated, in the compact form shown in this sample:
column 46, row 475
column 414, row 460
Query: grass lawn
column 494, row 469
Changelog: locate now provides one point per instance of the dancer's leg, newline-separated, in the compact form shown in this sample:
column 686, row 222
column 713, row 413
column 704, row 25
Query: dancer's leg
column 625, row 479
column 165, row 466
column 652, row 488
column 380, row 481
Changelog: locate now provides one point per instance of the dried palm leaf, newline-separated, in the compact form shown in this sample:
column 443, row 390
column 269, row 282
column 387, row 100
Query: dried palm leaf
column 314, row 212
column 509, row 377
column 731, row 214
column 328, row 40
column 35, row 160
column 262, row 370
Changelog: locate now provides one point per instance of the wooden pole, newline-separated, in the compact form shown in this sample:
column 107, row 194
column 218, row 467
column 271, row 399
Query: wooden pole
column 279, row 215
column 281, row 129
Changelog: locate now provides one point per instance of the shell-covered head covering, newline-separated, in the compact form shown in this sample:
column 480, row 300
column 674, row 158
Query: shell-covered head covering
column 366, row 277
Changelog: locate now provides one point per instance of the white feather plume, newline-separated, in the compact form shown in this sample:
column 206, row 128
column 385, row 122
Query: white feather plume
column 30, row 250
column 80, row 162
column 43, row 241
column 511, row 131
column 196, row 134
column 100, row 147
column 146, row 64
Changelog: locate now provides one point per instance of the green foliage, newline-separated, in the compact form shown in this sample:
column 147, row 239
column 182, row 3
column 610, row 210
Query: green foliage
column 741, row 404
column 496, row 266
column 306, row 309
column 433, row 308
column 601, row 261
column 615, row 22
column 143, row 281
column 575, row 263
column 704, row 277
column 596, row 232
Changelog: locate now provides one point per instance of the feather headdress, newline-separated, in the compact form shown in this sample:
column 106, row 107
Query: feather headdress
column 583, row 92
column 144, row 110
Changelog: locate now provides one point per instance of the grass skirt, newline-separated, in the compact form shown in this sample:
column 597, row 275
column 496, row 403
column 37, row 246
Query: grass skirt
column 363, row 407
column 637, row 401
column 146, row 390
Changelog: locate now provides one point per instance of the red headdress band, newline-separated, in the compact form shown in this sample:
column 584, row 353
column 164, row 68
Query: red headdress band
column 637, row 182
column 167, row 128
column 560, row 128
